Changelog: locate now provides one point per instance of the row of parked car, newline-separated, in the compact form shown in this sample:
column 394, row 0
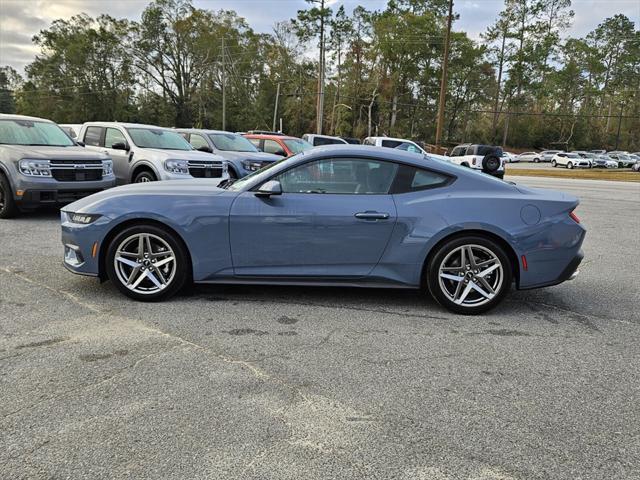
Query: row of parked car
column 581, row 158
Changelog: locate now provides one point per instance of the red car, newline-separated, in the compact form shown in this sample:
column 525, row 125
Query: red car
column 278, row 144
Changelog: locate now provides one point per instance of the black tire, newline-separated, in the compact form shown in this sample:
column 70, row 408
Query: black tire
column 145, row 176
column 8, row 207
column 536, row 160
column 503, row 277
column 554, row 164
column 491, row 163
column 569, row 165
column 182, row 267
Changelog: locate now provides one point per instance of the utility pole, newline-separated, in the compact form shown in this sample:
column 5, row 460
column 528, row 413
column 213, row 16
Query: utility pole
column 443, row 80
column 619, row 125
column 320, row 105
column 275, row 110
column 224, row 95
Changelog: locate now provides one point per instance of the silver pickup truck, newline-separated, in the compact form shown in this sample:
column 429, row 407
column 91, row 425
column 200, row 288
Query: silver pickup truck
column 41, row 165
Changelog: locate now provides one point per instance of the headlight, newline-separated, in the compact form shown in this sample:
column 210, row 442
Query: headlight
column 251, row 166
column 107, row 167
column 176, row 166
column 35, row 168
column 83, row 218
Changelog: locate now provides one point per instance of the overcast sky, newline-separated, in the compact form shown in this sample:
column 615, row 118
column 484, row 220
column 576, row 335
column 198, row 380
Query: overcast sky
column 21, row 19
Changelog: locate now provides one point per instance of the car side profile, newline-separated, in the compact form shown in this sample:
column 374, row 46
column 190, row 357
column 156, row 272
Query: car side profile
column 278, row 144
column 335, row 215
column 242, row 156
column 147, row 153
column 40, row 165
column 570, row 160
column 529, row 157
column 547, row 155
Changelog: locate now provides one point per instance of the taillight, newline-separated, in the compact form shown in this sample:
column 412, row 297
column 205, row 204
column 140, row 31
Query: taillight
column 574, row 217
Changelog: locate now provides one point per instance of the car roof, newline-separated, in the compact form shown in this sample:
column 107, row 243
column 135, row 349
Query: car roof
column 7, row 116
column 125, row 125
column 270, row 137
column 397, row 139
column 204, row 130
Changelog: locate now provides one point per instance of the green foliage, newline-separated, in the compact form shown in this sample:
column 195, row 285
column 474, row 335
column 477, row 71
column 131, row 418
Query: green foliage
column 523, row 84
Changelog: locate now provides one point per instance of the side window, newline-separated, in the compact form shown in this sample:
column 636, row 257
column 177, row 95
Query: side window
column 340, row 176
column 93, row 136
column 470, row 150
column 369, row 141
column 455, row 152
column 198, row 141
column 391, row 143
column 255, row 141
column 113, row 136
column 413, row 179
column 271, row 146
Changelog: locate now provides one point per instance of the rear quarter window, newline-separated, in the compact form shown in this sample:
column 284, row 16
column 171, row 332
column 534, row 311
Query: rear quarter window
column 414, row 179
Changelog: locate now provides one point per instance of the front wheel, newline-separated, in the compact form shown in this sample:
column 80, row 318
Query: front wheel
column 536, row 160
column 569, row 165
column 554, row 163
column 8, row 208
column 147, row 263
column 469, row 275
column 145, row 176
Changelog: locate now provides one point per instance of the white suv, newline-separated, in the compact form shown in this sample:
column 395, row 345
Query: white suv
column 479, row 157
column 570, row 160
column 318, row 140
column 146, row 153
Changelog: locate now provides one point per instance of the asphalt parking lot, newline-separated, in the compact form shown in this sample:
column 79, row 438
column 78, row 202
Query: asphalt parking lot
column 300, row 383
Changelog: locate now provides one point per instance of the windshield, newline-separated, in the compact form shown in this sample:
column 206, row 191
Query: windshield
column 262, row 173
column 158, row 138
column 230, row 142
column 33, row 132
column 297, row 145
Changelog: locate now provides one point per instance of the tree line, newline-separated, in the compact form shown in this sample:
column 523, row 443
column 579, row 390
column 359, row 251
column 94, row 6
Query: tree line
column 522, row 85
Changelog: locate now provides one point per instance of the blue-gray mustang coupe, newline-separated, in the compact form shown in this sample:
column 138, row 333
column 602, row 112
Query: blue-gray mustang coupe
column 337, row 215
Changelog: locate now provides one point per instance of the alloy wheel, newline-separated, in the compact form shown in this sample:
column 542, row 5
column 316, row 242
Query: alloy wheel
column 471, row 275
column 145, row 263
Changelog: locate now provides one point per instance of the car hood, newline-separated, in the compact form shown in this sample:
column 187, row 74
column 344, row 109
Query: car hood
column 180, row 155
column 54, row 153
column 257, row 156
column 199, row 188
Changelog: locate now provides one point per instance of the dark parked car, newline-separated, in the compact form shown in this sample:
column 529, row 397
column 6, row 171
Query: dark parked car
column 242, row 156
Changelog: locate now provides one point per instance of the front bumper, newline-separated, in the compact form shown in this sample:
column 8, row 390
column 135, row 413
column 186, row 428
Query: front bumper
column 35, row 192
column 82, row 244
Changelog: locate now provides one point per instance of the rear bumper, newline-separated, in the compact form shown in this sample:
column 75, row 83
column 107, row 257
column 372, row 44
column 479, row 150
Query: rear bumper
column 570, row 272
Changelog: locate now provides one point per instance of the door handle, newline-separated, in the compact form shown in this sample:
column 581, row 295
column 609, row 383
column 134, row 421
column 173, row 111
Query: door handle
column 369, row 215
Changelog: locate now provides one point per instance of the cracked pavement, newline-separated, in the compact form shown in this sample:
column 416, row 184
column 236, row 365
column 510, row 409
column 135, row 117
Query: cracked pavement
column 290, row 383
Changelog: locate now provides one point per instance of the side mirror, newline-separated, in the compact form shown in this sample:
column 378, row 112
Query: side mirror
column 272, row 187
column 205, row 149
column 120, row 146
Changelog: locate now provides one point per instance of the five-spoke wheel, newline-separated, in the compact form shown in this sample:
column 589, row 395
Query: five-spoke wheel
column 469, row 274
column 147, row 263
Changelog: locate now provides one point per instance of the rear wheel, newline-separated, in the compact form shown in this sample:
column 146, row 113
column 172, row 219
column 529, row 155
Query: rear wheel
column 469, row 275
column 554, row 163
column 8, row 208
column 536, row 160
column 147, row 263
